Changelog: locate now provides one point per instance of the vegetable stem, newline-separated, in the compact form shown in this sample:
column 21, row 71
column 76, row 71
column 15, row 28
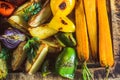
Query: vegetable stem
column 86, row 72
column 107, row 72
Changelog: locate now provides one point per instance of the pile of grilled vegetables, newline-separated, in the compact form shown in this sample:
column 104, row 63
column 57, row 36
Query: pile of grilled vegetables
column 54, row 36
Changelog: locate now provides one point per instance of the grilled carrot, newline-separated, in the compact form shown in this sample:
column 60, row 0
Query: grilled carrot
column 105, row 42
column 90, row 11
column 82, row 37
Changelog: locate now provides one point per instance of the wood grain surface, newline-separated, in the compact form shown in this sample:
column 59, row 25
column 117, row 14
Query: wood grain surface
column 99, row 73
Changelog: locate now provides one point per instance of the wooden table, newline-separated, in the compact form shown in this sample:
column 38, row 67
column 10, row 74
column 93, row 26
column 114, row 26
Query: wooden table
column 98, row 72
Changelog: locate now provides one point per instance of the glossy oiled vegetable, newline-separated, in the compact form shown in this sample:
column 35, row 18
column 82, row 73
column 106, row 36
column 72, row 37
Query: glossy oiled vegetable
column 12, row 38
column 6, row 9
column 53, row 45
column 82, row 38
column 42, row 31
column 66, row 63
column 31, row 68
column 31, row 47
column 62, row 6
column 105, row 41
column 28, row 9
column 21, row 16
column 40, row 17
column 66, row 39
column 61, row 23
column 90, row 11
column 60, row 10
column 19, row 23
column 18, row 56
column 36, row 53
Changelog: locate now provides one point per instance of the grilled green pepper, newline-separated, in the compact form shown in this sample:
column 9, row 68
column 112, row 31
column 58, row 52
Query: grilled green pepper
column 66, row 39
column 66, row 63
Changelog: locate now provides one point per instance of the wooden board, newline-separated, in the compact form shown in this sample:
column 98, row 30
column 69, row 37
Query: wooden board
column 98, row 72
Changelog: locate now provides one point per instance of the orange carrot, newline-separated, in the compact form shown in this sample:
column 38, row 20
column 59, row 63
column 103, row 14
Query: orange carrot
column 82, row 38
column 81, row 32
column 90, row 11
column 105, row 42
